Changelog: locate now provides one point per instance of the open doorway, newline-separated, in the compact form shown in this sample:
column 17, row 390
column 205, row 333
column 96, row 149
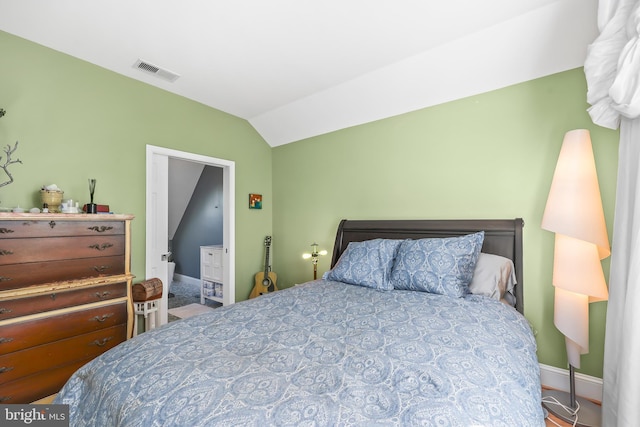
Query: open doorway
column 195, row 209
column 158, row 254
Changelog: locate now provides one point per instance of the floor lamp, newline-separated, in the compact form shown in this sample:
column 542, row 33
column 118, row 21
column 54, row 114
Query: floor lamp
column 574, row 213
column 314, row 258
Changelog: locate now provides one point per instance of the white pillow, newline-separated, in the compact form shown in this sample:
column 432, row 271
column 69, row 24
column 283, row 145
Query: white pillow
column 494, row 276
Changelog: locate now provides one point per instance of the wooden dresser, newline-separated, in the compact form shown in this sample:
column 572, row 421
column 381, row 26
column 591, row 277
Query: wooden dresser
column 65, row 297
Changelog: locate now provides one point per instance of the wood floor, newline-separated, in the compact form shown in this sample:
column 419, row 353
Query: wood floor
column 45, row 400
column 548, row 423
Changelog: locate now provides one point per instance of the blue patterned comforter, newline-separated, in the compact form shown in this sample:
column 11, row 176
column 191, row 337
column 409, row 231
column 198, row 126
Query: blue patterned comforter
column 322, row 354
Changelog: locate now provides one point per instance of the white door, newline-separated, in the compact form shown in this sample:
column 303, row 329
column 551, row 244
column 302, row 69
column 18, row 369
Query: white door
column 157, row 228
column 158, row 224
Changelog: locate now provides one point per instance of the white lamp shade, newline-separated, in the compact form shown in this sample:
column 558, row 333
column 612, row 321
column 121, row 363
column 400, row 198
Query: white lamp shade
column 574, row 205
column 577, row 268
column 571, row 317
column 574, row 213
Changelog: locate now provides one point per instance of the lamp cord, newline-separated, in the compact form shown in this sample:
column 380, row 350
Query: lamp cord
column 550, row 400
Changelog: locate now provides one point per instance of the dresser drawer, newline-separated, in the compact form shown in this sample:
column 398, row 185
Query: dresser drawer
column 39, row 303
column 42, row 384
column 21, row 335
column 14, row 251
column 15, row 276
column 18, row 229
column 44, row 357
column 64, row 297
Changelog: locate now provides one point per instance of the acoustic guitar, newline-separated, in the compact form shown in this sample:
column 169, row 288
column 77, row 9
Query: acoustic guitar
column 265, row 280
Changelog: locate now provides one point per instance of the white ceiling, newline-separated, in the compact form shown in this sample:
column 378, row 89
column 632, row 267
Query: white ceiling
column 300, row 68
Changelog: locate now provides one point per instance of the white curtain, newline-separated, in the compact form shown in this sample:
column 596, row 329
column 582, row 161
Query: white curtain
column 612, row 70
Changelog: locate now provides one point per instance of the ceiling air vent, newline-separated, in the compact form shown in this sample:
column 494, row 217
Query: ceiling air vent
column 155, row 70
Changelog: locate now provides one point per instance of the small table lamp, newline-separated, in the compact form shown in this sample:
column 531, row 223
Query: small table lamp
column 574, row 213
column 314, row 258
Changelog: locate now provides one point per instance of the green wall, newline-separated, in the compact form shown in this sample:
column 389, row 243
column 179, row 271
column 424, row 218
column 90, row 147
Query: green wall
column 75, row 121
column 487, row 156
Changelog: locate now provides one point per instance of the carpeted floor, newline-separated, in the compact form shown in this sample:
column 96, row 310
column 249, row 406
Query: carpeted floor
column 185, row 294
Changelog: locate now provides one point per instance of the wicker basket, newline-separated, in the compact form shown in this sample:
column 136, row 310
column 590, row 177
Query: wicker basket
column 53, row 199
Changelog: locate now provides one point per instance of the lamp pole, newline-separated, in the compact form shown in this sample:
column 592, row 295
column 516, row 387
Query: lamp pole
column 315, row 253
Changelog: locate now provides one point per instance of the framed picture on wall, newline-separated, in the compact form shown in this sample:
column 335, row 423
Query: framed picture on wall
column 255, row 201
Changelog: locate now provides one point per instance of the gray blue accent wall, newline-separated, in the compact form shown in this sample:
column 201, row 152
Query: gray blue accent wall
column 201, row 223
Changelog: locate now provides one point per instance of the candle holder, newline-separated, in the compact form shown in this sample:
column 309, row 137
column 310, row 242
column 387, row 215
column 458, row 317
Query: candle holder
column 92, row 208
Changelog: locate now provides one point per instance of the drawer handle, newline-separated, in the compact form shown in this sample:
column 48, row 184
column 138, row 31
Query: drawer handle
column 103, row 295
column 5, row 279
column 102, row 342
column 101, row 228
column 5, row 310
column 52, row 224
column 5, row 252
column 103, row 318
column 5, row 340
column 5, row 230
column 101, row 268
column 101, row 247
column 4, row 369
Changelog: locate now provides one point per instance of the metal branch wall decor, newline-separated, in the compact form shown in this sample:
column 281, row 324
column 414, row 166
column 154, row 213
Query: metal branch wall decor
column 7, row 161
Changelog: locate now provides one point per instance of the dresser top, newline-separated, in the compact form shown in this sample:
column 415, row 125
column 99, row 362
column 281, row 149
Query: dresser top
column 64, row 216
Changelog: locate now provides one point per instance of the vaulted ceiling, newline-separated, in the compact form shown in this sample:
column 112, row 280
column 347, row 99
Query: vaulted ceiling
column 299, row 68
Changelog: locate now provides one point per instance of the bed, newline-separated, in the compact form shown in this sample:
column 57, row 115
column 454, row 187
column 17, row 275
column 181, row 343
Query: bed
column 341, row 352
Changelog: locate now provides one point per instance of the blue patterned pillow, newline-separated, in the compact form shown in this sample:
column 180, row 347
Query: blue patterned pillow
column 366, row 264
column 439, row 266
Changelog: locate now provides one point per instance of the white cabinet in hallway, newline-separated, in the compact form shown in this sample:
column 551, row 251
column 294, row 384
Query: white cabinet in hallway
column 211, row 273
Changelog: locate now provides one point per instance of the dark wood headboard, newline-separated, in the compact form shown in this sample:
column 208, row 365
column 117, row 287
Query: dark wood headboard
column 501, row 237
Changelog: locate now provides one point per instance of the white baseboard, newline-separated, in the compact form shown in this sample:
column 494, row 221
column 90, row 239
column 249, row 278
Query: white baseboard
column 557, row 378
column 186, row 279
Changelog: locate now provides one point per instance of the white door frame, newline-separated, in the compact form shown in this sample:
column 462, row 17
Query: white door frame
column 157, row 233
